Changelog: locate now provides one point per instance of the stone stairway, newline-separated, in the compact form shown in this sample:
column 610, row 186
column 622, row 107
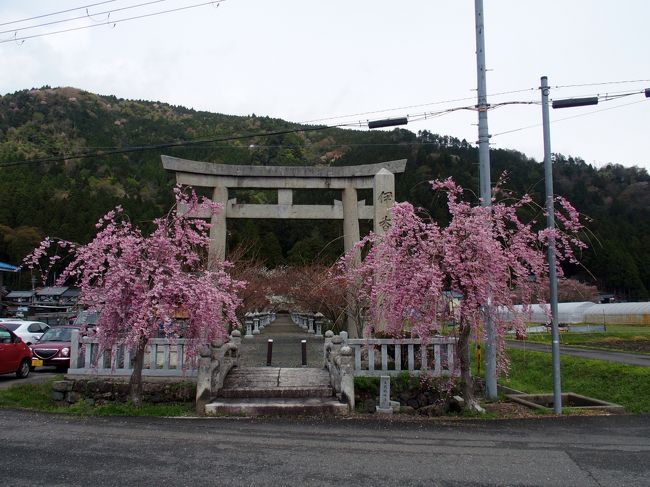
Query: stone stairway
column 255, row 391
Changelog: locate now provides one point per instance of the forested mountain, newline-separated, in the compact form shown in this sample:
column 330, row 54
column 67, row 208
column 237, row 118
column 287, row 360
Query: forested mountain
column 65, row 198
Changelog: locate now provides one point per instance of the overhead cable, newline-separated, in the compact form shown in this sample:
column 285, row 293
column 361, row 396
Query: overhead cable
column 112, row 22
column 56, row 13
column 87, row 15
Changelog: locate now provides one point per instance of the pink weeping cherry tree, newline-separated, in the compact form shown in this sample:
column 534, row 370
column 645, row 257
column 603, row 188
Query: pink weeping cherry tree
column 484, row 254
column 139, row 283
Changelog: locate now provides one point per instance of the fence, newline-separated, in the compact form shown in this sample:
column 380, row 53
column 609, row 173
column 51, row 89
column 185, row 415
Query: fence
column 434, row 356
column 162, row 359
column 347, row 358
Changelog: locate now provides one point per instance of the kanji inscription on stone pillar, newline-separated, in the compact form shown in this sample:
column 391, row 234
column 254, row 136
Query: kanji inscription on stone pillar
column 384, row 198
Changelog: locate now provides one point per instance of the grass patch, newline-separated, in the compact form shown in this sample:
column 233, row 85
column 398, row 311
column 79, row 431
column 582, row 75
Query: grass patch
column 36, row 397
column 627, row 385
column 29, row 396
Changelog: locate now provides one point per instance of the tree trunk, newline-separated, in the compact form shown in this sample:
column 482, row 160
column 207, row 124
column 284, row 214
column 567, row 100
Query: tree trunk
column 135, row 383
column 465, row 364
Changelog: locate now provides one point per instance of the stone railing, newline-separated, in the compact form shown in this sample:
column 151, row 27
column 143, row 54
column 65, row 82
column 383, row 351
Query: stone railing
column 215, row 362
column 347, row 358
column 339, row 363
column 162, row 359
column 256, row 322
column 309, row 322
column 434, row 356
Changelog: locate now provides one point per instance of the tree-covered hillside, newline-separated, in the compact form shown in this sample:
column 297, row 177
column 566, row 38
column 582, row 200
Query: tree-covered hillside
column 65, row 198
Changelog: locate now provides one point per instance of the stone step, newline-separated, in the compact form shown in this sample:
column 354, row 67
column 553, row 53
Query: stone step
column 276, row 392
column 273, row 377
column 269, row 382
column 315, row 406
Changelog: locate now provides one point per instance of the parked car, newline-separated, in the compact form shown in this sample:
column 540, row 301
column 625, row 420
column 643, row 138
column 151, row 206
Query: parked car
column 15, row 356
column 53, row 349
column 86, row 318
column 30, row 331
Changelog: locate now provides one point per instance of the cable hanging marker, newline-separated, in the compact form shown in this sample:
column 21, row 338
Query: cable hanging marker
column 575, row 102
column 387, row 122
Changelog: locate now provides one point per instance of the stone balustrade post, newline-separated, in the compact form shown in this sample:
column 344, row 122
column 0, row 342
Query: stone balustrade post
column 318, row 319
column 204, row 380
column 256, row 323
column 74, row 349
column 347, row 376
column 249, row 324
column 335, row 352
column 344, row 337
column 310, row 328
column 235, row 337
column 328, row 339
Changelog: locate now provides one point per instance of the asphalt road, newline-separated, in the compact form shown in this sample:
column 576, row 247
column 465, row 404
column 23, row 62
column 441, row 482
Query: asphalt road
column 43, row 449
column 638, row 359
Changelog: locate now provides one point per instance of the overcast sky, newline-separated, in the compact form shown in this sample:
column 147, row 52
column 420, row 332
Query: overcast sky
column 302, row 60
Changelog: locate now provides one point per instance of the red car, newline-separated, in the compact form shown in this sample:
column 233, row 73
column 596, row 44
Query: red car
column 53, row 349
column 15, row 356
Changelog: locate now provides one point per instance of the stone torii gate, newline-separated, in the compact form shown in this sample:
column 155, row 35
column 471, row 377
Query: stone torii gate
column 220, row 177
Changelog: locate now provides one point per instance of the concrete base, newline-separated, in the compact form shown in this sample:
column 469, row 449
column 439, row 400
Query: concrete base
column 314, row 406
column 569, row 399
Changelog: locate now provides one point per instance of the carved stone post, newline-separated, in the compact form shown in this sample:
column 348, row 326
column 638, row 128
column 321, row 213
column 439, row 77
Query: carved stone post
column 384, row 198
column 203, row 380
column 328, row 339
column 347, row 376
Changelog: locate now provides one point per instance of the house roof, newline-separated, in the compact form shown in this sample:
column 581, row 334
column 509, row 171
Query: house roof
column 8, row 267
column 20, row 294
column 51, row 291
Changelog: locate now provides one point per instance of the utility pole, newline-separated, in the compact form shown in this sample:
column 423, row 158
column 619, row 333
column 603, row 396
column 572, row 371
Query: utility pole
column 485, row 188
column 552, row 271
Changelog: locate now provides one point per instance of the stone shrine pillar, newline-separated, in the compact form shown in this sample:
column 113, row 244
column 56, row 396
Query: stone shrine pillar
column 218, row 226
column 384, row 198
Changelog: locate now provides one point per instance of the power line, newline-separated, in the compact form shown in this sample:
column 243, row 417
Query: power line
column 168, row 145
column 113, row 22
column 453, row 100
column 107, row 151
column 56, row 13
column 187, row 143
column 604, row 83
column 568, row 118
column 407, row 107
column 125, row 150
column 109, row 12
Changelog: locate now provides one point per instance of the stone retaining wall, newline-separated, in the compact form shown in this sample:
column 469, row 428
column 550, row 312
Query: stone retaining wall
column 101, row 391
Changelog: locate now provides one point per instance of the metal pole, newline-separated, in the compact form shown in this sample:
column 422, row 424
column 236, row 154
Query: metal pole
column 552, row 271
column 485, row 187
column 303, row 347
column 269, row 352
